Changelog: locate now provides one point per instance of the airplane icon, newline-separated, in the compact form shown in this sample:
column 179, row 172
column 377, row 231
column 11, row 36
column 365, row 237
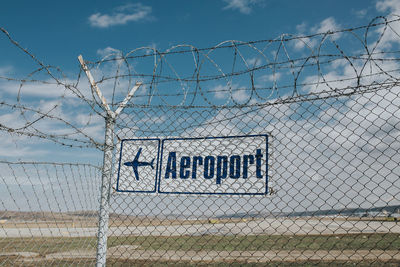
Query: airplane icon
column 135, row 163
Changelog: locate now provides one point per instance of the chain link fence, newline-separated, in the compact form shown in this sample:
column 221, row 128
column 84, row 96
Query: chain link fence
column 274, row 152
column 333, row 188
column 332, row 122
column 48, row 212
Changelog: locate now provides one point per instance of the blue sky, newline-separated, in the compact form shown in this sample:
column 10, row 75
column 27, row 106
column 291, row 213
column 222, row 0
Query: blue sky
column 58, row 31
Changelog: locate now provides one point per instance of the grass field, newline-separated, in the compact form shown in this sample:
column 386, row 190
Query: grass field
column 209, row 242
column 261, row 242
column 45, row 247
column 124, row 263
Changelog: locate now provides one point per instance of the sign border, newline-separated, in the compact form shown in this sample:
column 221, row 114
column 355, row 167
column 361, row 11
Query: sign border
column 119, row 166
column 221, row 193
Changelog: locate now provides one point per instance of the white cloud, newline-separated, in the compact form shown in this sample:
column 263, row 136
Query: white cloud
column 327, row 25
column 301, row 27
column 12, row 120
column 6, row 70
column 151, row 120
column 361, row 13
column 122, row 15
column 269, row 77
column 47, row 89
column 240, row 96
column 221, row 91
column 17, row 147
column 237, row 94
column 244, row 6
column 304, row 42
column 392, row 6
column 215, row 126
column 254, row 62
column 152, row 47
column 44, row 109
column 108, row 51
column 391, row 34
column 86, row 119
column 95, row 131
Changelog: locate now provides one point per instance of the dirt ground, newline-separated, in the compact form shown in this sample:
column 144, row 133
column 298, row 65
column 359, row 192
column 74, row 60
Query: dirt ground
column 135, row 253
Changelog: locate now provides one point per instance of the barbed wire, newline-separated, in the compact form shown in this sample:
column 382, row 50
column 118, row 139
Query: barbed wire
column 297, row 65
column 49, row 163
column 231, row 74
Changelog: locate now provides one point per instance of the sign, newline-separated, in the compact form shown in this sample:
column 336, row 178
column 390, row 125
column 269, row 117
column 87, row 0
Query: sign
column 229, row 165
column 138, row 165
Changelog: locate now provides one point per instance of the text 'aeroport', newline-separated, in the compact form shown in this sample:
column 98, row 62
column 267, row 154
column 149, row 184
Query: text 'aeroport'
column 214, row 167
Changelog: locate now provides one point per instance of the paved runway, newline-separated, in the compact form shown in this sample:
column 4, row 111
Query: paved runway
column 280, row 226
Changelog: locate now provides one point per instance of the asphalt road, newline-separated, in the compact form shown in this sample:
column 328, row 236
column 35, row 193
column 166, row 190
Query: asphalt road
column 281, row 226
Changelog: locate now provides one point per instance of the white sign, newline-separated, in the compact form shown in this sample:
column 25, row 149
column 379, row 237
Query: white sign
column 233, row 165
column 138, row 165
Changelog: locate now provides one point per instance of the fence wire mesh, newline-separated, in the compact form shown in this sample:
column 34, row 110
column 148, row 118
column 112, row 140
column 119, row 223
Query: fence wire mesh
column 327, row 103
column 48, row 211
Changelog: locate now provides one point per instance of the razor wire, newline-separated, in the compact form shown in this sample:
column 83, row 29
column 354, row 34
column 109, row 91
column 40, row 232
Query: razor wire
column 329, row 103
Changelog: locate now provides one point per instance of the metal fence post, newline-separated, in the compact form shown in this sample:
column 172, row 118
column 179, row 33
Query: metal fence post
column 101, row 254
column 111, row 116
column 105, row 193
